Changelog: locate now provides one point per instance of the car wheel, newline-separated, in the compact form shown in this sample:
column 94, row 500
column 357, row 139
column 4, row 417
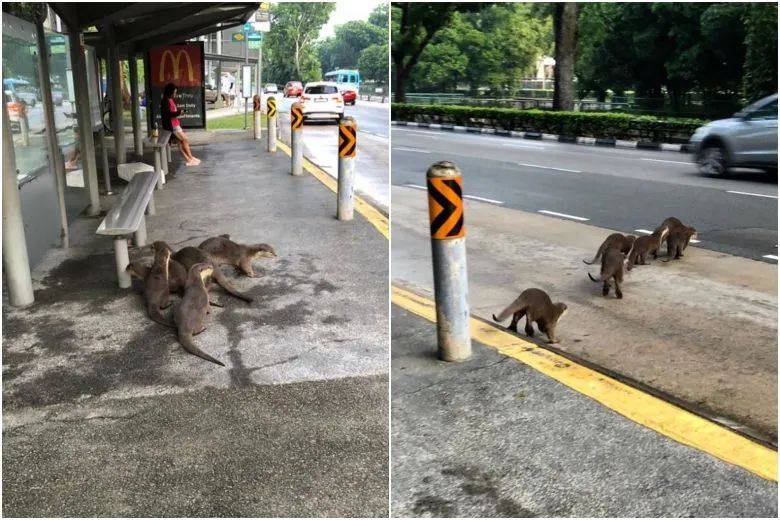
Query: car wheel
column 713, row 161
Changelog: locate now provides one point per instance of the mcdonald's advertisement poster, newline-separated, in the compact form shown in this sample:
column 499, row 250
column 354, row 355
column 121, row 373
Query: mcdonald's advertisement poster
column 182, row 65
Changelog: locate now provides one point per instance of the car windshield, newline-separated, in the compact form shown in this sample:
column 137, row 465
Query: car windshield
column 758, row 108
column 321, row 89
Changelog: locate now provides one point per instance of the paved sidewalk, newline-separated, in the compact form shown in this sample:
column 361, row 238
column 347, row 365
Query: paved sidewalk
column 104, row 407
column 491, row 437
column 668, row 332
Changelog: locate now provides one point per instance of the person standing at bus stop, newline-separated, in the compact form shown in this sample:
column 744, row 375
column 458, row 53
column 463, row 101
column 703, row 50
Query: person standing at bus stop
column 170, row 113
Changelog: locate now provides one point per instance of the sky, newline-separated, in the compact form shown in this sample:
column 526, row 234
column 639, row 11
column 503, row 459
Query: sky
column 347, row 10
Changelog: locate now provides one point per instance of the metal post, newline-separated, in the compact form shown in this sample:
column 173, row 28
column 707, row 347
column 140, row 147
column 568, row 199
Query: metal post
column 116, row 100
column 448, row 244
column 122, row 257
column 135, row 106
column 271, row 116
column 168, row 157
column 56, row 166
column 164, row 157
column 16, row 263
column 24, row 125
column 84, row 114
column 151, row 208
column 296, row 138
column 346, row 178
column 104, row 159
column 257, row 119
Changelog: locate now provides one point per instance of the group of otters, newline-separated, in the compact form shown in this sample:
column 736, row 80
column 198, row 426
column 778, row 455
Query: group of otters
column 191, row 272
column 618, row 248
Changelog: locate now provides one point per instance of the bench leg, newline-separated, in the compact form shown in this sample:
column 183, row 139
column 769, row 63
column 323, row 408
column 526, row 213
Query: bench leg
column 140, row 234
column 151, row 209
column 164, row 155
column 158, row 169
column 168, row 151
column 122, row 259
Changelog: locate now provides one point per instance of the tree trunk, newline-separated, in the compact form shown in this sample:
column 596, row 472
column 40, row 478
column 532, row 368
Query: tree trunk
column 565, row 26
column 399, row 89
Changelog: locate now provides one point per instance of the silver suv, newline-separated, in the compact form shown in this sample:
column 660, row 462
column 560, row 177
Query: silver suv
column 746, row 140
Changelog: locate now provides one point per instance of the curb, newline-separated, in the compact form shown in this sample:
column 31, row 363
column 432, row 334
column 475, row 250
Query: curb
column 591, row 141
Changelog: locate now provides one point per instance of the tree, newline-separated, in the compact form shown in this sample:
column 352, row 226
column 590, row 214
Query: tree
column 373, row 63
column 294, row 27
column 414, row 26
column 380, row 16
column 565, row 27
column 761, row 49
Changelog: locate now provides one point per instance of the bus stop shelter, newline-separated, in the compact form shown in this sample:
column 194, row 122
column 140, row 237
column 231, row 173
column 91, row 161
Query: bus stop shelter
column 117, row 31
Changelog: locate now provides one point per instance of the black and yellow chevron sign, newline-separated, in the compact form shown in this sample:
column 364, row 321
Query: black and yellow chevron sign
column 271, row 107
column 347, row 138
column 296, row 119
column 445, row 207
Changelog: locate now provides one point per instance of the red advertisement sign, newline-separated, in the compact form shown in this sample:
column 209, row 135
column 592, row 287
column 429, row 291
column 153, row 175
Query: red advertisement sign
column 177, row 64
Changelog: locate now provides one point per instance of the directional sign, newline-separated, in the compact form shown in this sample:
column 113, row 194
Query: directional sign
column 445, row 205
column 254, row 37
column 248, row 27
column 238, row 37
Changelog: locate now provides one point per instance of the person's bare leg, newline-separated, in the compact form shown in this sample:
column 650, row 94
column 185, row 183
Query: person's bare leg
column 184, row 143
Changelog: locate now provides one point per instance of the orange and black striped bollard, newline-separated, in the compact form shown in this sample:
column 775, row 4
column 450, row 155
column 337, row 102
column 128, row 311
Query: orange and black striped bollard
column 296, row 138
column 346, row 178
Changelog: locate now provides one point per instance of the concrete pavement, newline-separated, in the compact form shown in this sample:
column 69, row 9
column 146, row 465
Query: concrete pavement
column 492, row 437
column 702, row 329
column 613, row 188
column 104, row 407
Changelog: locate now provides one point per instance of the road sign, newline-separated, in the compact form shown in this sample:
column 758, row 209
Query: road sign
column 254, row 37
column 238, row 37
column 248, row 27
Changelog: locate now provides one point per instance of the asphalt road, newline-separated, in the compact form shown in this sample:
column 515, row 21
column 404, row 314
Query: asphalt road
column 492, row 437
column 371, row 116
column 621, row 189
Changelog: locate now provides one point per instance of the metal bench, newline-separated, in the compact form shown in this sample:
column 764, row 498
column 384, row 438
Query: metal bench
column 127, row 171
column 162, row 154
column 127, row 218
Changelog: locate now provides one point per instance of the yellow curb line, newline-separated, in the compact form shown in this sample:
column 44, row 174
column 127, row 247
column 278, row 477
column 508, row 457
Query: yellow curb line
column 373, row 215
column 647, row 410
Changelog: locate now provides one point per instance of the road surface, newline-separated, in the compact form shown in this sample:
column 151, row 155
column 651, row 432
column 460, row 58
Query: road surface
column 625, row 190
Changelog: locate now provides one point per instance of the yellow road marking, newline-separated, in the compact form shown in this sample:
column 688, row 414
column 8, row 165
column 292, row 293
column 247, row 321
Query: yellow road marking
column 645, row 409
column 373, row 215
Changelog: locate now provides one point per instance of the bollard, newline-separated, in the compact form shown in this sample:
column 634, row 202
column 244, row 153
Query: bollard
column 346, row 177
column 122, row 257
column 258, row 121
column 448, row 244
column 296, row 138
column 271, row 116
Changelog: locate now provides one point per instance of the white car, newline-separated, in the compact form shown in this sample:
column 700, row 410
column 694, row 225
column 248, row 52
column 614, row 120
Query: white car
column 271, row 88
column 322, row 100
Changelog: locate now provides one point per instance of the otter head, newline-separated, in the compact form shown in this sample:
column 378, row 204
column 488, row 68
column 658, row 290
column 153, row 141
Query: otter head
column 159, row 245
column 631, row 239
column 202, row 271
column 692, row 232
column 561, row 309
column 263, row 251
column 137, row 269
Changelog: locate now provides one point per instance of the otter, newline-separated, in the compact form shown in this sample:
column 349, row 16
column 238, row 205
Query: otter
column 189, row 256
column 677, row 241
column 619, row 240
column 190, row 314
column 611, row 268
column 156, row 286
column 645, row 246
column 176, row 282
column 537, row 307
column 225, row 251
column 673, row 224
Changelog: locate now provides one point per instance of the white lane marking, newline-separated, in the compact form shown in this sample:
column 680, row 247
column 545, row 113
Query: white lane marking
column 687, row 163
column 548, row 167
column 564, row 215
column 403, row 149
column 752, row 194
column 771, row 257
column 483, row 199
column 646, row 232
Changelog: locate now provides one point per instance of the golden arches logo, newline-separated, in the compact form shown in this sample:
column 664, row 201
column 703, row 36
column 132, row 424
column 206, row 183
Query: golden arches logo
column 175, row 63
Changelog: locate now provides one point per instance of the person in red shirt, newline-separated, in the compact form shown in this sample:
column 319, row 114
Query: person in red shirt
column 169, row 114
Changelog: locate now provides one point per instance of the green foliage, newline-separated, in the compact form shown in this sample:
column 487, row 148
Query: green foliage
column 492, row 48
column 380, row 16
column 342, row 51
column 288, row 49
column 761, row 43
column 373, row 63
column 232, row 122
column 587, row 124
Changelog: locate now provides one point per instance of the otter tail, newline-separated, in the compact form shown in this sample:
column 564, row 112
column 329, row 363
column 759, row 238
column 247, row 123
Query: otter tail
column 597, row 280
column 510, row 310
column 156, row 315
column 189, row 345
column 223, row 281
column 598, row 255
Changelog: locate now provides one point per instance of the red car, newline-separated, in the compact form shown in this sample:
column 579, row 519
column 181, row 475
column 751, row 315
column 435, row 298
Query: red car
column 293, row 89
column 349, row 97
